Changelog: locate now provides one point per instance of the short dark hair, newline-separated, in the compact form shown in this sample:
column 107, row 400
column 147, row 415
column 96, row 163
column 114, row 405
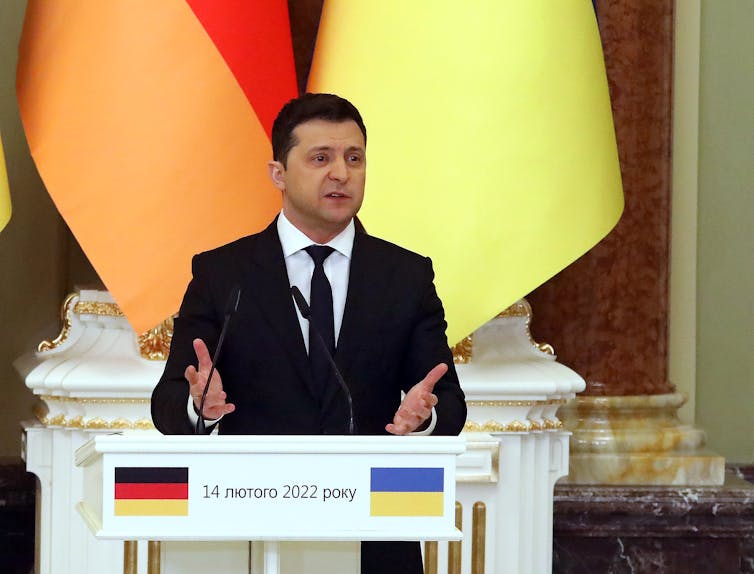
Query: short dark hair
column 305, row 108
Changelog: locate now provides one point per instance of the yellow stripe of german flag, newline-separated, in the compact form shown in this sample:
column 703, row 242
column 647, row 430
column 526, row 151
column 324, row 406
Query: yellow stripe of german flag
column 151, row 507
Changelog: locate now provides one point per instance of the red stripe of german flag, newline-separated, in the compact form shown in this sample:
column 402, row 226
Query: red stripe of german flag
column 154, row 491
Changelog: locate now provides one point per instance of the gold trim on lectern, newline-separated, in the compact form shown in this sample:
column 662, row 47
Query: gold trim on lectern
column 430, row 557
column 153, row 557
column 454, row 547
column 478, row 537
column 130, row 557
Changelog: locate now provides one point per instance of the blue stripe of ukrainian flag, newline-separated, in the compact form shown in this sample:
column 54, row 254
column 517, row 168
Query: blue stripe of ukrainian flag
column 407, row 491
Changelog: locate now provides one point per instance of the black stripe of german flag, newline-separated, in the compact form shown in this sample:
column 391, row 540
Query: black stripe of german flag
column 140, row 475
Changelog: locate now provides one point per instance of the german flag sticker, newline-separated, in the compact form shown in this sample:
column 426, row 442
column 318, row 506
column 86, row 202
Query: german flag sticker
column 151, row 491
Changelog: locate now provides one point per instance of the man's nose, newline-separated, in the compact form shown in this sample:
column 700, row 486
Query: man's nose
column 339, row 170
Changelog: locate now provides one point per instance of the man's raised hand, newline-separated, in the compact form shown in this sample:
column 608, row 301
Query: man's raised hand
column 214, row 404
column 416, row 406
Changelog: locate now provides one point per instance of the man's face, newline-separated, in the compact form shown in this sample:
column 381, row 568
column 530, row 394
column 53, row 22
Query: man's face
column 323, row 181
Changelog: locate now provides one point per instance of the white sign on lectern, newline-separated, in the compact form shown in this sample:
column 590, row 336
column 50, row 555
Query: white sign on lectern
column 270, row 488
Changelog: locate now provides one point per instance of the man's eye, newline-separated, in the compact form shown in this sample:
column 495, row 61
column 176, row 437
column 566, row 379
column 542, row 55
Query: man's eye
column 320, row 158
column 354, row 158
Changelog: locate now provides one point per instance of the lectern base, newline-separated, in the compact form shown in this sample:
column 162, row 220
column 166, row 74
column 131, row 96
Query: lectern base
column 260, row 557
column 314, row 557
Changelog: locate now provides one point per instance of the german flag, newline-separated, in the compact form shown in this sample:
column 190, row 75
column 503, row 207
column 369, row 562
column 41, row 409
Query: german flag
column 151, row 491
column 407, row 491
column 141, row 114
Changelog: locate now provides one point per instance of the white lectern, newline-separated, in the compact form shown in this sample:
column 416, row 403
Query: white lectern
column 270, row 488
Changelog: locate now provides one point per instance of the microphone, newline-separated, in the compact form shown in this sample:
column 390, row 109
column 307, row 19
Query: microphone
column 306, row 312
column 230, row 307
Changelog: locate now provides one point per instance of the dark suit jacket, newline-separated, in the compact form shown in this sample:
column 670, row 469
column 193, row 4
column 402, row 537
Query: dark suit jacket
column 393, row 333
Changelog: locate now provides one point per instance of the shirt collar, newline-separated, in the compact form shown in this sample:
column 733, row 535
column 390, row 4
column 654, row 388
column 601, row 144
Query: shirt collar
column 293, row 239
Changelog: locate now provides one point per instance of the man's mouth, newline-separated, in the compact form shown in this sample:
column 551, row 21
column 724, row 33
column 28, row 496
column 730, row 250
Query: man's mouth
column 336, row 195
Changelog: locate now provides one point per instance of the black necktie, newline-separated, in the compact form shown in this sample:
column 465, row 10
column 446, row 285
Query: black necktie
column 320, row 302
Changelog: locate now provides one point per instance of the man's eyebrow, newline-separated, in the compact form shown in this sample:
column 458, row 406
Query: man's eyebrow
column 330, row 148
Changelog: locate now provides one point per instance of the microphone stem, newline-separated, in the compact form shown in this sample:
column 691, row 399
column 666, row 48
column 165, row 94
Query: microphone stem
column 339, row 377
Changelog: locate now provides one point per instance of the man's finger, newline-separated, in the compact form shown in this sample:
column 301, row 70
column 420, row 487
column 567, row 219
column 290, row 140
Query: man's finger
column 202, row 356
column 396, row 429
column 428, row 382
column 191, row 375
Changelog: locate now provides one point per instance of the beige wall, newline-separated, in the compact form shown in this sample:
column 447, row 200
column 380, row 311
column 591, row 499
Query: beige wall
column 725, row 263
column 39, row 260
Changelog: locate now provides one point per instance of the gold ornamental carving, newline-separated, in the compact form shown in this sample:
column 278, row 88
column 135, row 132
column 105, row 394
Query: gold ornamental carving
column 56, row 421
column 65, row 329
column 521, row 308
column 75, row 422
column 494, row 426
column 154, row 345
column 97, row 308
column 143, row 424
column 462, row 350
column 41, row 412
column 79, row 308
column 505, row 403
column 97, row 423
column 92, row 400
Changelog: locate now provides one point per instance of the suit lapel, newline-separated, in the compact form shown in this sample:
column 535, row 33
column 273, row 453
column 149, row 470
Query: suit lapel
column 267, row 279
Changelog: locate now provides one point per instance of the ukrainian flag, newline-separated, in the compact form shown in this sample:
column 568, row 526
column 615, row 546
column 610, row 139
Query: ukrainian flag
column 407, row 492
column 4, row 193
column 491, row 140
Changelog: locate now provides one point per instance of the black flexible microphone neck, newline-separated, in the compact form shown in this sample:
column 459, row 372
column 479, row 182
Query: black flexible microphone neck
column 306, row 312
column 230, row 307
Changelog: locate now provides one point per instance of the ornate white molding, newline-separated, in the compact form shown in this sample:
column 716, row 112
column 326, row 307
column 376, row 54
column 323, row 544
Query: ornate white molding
column 511, row 383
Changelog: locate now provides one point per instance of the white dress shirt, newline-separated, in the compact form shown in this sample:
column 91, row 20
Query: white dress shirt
column 300, row 267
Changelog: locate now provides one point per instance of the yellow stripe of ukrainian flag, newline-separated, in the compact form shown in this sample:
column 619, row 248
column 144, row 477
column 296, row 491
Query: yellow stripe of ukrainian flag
column 407, row 504
column 149, row 507
column 4, row 193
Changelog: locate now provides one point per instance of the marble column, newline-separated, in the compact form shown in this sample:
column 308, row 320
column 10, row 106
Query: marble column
column 606, row 315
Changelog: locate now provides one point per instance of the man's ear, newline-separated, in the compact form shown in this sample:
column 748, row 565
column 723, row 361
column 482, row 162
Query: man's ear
column 276, row 171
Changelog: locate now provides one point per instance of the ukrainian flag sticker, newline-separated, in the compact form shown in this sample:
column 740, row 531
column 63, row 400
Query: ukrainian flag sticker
column 407, row 492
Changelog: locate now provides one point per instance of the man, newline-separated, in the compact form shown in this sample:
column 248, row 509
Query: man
column 374, row 302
